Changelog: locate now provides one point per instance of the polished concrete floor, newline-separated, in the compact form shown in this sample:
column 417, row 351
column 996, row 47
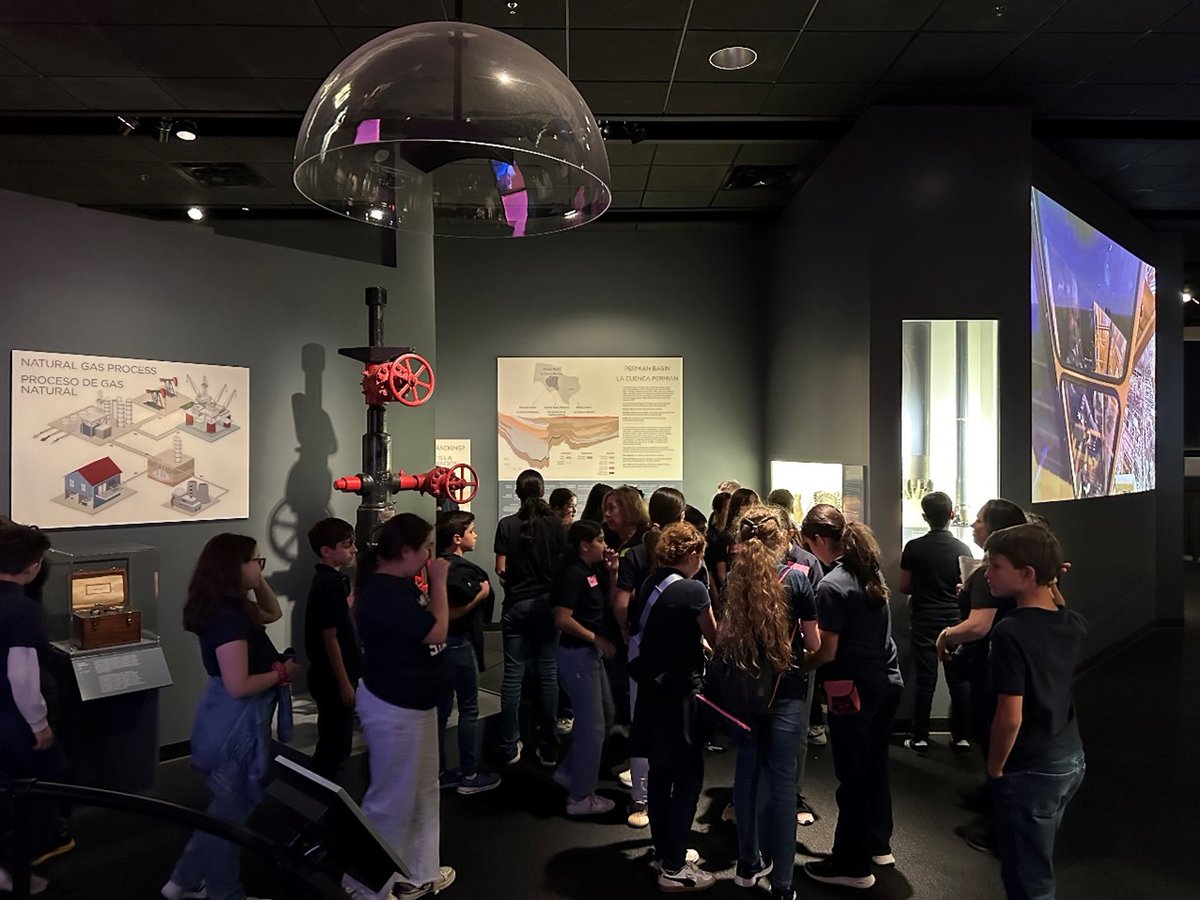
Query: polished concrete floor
column 1131, row 832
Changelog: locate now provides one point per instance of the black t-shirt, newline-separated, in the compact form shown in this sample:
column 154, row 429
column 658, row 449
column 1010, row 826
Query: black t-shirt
column 866, row 650
column 804, row 608
column 398, row 667
column 583, row 589
column 464, row 581
column 671, row 642
column 1033, row 656
column 932, row 561
column 328, row 608
column 809, row 564
column 631, row 576
column 979, row 592
column 20, row 626
column 720, row 551
column 229, row 623
column 530, row 560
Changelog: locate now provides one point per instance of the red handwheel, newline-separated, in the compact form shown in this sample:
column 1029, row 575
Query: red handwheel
column 461, row 483
column 411, row 379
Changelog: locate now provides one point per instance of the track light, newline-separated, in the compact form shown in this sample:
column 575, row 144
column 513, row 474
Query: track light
column 127, row 125
column 185, row 130
column 195, row 213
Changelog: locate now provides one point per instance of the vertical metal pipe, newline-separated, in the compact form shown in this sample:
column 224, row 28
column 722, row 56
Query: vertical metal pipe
column 961, row 391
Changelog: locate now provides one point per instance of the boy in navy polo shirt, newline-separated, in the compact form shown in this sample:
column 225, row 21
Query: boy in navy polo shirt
column 467, row 587
column 27, row 748
column 1035, row 755
column 334, row 661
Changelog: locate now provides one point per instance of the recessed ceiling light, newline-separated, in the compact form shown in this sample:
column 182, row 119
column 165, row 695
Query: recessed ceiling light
column 195, row 213
column 730, row 59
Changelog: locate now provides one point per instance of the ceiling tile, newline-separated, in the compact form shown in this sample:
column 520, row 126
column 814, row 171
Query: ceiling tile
column 629, row 178
column 221, row 94
column 980, row 15
column 41, row 11
column 1181, row 103
column 353, row 38
column 1147, row 177
column 260, row 149
column 1059, row 58
column 850, row 58
column 123, row 12
column 107, row 148
column 130, row 93
column 872, row 15
column 284, row 52
column 293, row 94
column 1108, row 99
column 668, row 14
column 681, row 154
column 1096, row 158
column 1155, row 59
column 627, row 199
column 961, row 58
column 772, row 48
column 167, row 51
column 204, row 149
column 276, row 173
column 31, row 147
column 760, row 15
column 1038, row 96
column 623, row 153
column 1174, row 153
column 528, row 14
column 686, row 178
column 783, row 153
column 383, row 12
column 917, row 93
column 815, row 99
column 259, row 12
column 10, row 65
column 676, row 199
column 1111, row 15
column 1187, row 19
column 598, row 55
column 1169, row 200
column 30, row 92
column 1188, row 182
column 757, row 198
column 551, row 43
column 617, row 98
column 668, row 225
column 66, row 50
column 713, row 98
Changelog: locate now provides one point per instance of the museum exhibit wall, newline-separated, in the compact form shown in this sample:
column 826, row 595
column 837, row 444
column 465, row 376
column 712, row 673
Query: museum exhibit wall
column 923, row 213
column 597, row 292
column 81, row 281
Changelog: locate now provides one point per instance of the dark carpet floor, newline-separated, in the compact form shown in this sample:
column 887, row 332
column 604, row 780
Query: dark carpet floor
column 1130, row 832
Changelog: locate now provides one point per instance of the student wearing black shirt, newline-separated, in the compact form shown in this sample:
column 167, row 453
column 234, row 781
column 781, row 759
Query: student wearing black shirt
column 583, row 587
column 725, row 543
column 405, row 674
column 862, row 685
column 668, row 657
column 230, row 739
column 467, row 587
column 929, row 574
column 626, row 519
column 331, row 644
column 1035, row 757
column 527, row 548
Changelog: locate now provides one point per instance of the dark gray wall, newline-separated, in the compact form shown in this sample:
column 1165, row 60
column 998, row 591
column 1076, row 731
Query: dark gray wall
column 693, row 294
column 135, row 288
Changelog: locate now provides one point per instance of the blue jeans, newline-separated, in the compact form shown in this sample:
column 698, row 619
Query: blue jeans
column 1029, row 806
column 212, row 859
column 530, row 638
column 583, row 673
column 464, row 688
column 764, row 790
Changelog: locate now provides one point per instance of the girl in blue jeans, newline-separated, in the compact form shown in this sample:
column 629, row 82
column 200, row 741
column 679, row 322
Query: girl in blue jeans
column 769, row 619
column 584, row 585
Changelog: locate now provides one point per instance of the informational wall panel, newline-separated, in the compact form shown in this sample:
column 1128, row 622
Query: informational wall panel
column 101, row 440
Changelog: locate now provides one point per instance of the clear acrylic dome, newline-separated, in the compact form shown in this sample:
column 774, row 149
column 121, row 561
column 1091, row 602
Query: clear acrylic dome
column 469, row 119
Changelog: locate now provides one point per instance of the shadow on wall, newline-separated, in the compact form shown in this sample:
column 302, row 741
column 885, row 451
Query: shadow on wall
column 307, row 493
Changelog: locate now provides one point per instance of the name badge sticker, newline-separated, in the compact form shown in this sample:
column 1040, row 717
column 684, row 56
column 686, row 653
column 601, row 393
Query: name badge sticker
column 593, row 581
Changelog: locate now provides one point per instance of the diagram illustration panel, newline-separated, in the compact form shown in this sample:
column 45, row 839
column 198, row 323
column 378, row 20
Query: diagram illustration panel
column 101, row 440
column 589, row 419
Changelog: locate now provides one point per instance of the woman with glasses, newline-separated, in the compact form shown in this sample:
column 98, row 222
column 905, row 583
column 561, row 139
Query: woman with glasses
column 228, row 603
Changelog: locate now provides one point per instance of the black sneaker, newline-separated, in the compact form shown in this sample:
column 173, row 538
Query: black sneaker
column 978, row 838
column 805, row 814
column 747, row 874
column 826, row 871
column 547, row 756
column 918, row 745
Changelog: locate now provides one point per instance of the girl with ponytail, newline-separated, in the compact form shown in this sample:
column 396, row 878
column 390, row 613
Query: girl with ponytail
column 770, row 621
column 863, row 685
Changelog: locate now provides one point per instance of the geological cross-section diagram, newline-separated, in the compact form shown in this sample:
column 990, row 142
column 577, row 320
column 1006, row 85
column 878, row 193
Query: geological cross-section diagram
column 532, row 438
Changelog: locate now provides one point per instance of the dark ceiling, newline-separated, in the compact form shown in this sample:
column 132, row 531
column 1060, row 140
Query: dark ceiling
column 1114, row 86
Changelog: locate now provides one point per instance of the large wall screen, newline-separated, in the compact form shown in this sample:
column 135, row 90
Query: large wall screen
column 1093, row 308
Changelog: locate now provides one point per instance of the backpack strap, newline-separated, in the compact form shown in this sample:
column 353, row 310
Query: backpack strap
column 635, row 647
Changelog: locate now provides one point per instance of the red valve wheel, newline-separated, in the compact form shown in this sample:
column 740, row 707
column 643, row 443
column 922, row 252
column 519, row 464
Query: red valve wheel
column 461, row 483
column 411, row 379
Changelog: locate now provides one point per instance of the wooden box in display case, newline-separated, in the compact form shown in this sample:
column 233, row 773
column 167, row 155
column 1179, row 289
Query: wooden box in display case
column 100, row 612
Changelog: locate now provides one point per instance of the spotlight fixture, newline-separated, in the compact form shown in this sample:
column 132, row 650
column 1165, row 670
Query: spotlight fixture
column 185, row 130
column 635, row 132
column 195, row 213
column 165, row 127
column 730, row 59
column 1188, row 297
column 127, row 125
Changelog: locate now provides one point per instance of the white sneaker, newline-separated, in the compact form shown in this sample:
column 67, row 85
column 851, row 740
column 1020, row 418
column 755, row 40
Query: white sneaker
column 408, row 891
column 37, row 884
column 591, row 805
column 625, row 776
column 728, row 815
column 564, row 725
column 689, row 878
column 690, row 856
column 884, row 859
column 818, row 736
column 173, row 891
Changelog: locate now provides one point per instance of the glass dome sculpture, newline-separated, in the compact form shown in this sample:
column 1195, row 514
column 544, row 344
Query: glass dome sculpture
column 468, row 119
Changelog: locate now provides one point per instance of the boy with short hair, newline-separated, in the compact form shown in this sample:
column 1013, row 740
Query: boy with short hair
column 1035, row 756
column 27, row 747
column 467, row 586
column 331, row 643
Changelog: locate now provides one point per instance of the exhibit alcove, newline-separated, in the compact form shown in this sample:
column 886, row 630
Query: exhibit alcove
column 453, row 129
